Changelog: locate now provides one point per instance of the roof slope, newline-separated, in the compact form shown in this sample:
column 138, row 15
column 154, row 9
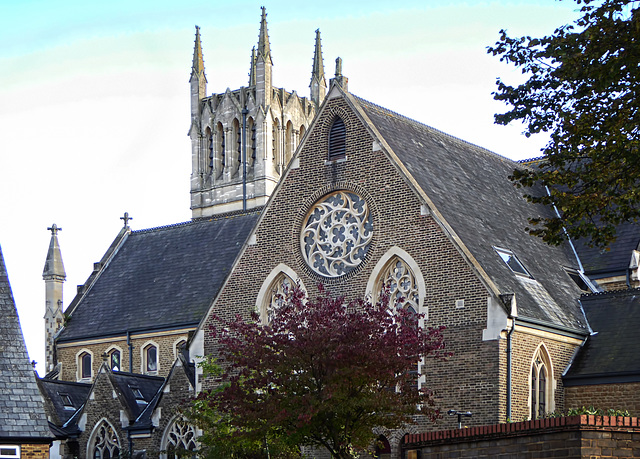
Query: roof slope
column 611, row 353
column 615, row 259
column 56, row 392
column 22, row 414
column 469, row 186
column 160, row 278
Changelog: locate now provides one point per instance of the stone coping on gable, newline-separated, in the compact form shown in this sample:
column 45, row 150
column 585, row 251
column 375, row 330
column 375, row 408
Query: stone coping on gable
column 524, row 428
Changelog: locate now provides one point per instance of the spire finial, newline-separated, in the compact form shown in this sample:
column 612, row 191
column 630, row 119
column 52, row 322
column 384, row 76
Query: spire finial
column 318, row 82
column 54, row 229
column 338, row 67
column 339, row 78
column 198, row 61
column 264, row 48
column 126, row 219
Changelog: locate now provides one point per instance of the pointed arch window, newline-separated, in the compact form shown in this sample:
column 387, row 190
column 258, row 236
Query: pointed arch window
column 85, row 365
column 252, row 143
column 210, row 147
column 179, row 438
column 401, row 281
column 277, row 293
column 383, row 448
column 150, row 357
column 288, row 143
column 337, row 140
column 237, row 134
column 114, row 360
column 540, row 385
column 105, row 443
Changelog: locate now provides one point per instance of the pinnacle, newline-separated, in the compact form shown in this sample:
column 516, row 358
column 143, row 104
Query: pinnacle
column 264, row 48
column 198, row 61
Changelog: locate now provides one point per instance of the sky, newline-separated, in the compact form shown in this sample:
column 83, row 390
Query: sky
column 94, row 102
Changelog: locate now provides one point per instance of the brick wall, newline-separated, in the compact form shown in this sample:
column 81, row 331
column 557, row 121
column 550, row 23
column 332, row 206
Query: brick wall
column 166, row 357
column 34, row 451
column 605, row 396
column 571, row 437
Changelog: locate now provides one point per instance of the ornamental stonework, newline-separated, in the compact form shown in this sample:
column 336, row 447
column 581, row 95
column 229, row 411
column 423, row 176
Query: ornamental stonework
column 336, row 234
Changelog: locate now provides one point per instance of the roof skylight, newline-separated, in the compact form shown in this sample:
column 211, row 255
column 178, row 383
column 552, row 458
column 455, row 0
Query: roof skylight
column 512, row 262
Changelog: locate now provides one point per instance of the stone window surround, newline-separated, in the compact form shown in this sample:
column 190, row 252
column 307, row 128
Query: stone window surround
column 143, row 358
column 79, row 366
column 112, row 349
column 164, row 444
column 264, row 294
column 92, row 438
column 542, row 353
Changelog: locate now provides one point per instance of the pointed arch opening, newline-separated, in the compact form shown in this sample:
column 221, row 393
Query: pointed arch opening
column 251, row 150
column 104, row 442
column 179, row 440
column 274, row 289
column 541, row 397
column 210, row 149
column 337, row 140
column 219, row 159
column 289, row 143
column 237, row 148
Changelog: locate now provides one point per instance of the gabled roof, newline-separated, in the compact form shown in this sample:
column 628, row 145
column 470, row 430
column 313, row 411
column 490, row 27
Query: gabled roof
column 469, row 188
column 160, row 278
column 22, row 415
column 613, row 260
column 610, row 354
column 57, row 392
column 137, row 390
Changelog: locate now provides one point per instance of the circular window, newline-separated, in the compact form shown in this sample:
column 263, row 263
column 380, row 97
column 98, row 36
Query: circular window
column 336, row 234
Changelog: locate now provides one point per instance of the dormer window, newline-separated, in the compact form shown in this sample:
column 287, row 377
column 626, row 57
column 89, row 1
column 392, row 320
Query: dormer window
column 67, row 403
column 337, row 140
column 512, row 262
column 138, row 395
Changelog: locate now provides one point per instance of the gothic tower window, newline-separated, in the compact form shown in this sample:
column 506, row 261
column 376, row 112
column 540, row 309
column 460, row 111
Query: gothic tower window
column 179, row 437
column 210, row 148
column 302, row 131
column 219, row 160
column 288, row 143
column 237, row 135
column 541, row 385
column 104, row 443
column 275, row 134
column 251, row 127
column 337, row 140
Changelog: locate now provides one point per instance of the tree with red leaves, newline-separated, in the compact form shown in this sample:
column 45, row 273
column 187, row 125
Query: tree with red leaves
column 323, row 373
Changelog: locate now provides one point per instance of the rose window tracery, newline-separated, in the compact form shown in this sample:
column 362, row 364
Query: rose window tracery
column 401, row 281
column 336, row 234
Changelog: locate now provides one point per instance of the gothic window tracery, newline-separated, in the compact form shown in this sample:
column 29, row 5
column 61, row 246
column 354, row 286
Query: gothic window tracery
column 336, row 234
column 105, row 444
column 401, row 282
column 276, row 296
column 179, row 438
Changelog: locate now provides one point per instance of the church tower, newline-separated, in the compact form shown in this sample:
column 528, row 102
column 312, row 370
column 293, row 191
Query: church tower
column 54, row 276
column 243, row 139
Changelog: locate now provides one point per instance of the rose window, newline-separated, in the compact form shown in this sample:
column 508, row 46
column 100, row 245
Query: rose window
column 336, row 234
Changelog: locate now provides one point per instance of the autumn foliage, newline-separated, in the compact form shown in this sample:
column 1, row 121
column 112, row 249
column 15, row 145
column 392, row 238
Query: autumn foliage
column 323, row 373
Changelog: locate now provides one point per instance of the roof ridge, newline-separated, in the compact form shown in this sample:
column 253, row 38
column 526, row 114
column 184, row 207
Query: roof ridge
column 621, row 291
column 435, row 130
column 236, row 213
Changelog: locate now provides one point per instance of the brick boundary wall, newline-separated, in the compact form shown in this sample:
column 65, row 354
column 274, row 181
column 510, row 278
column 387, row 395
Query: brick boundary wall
column 581, row 436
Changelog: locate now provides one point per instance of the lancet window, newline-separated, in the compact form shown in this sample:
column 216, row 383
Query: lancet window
column 337, row 139
column 541, row 385
column 276, row 295
column 180, row 438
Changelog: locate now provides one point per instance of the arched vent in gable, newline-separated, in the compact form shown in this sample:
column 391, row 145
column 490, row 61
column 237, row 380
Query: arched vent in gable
column 337, row 139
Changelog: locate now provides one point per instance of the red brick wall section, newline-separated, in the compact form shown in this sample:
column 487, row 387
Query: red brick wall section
column 576, row 437
column 605, row 396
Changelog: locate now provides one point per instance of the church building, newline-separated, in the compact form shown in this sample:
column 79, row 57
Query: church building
column 334, row 190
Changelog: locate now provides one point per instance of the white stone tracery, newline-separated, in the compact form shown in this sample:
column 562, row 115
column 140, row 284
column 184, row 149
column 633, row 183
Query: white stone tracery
column 179, row 437
column 336, row 234
column 105, row 443
column 401, row 281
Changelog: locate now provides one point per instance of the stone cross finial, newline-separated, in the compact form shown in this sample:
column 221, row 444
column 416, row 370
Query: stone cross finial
column 54, row 229
column 126, row 219
column 338, row 66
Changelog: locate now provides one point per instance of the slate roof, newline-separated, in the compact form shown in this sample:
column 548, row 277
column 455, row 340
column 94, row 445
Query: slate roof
column 614, row 260
column 469, row 186
column 129, row 383
column 55, row 391
column 22, row 414
column 159, row 278
column 610, row 354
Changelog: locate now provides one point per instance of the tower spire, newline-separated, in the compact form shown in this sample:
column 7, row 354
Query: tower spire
column 54, row 276
column 264, row 48
column 318, row 82
column 198, row 80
